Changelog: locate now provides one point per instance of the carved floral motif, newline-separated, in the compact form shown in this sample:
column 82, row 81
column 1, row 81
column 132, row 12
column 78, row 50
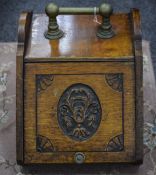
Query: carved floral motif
column 79, row 112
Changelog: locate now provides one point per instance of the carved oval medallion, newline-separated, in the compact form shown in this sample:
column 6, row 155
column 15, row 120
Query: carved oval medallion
column 79, row 112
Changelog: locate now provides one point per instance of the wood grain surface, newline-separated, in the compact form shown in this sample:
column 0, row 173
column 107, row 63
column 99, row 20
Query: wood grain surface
column 23, row 35
column 80, row 40
column 112, row 68
column 112, row 102
column 136, row 26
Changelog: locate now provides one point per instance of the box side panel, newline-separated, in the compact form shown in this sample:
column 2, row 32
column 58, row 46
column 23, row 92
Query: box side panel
column 137, row 41
column 23, row 35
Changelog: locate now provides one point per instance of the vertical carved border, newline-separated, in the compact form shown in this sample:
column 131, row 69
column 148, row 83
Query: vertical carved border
column 43, row 81
column 115, row 81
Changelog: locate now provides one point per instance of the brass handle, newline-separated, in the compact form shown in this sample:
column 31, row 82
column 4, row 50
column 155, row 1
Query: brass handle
column 52, row 10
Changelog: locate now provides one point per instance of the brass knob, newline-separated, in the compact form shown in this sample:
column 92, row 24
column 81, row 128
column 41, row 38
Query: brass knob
column 53, row 32
column 105, row 29
column 105, row 10
column 79, row 158
column 52, row 10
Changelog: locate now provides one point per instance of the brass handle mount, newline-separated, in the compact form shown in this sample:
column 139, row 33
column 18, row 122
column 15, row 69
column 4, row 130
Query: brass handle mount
column 105, row 30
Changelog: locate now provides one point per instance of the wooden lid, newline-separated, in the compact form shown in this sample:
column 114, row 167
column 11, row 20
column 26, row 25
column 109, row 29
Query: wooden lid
column 80, row 40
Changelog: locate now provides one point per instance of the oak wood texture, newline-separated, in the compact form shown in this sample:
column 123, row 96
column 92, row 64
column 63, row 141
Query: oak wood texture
column 47, row 100
column 80, row 40
column 91, row 74
column 80, row 57
column 23, row 35
column 135, row 16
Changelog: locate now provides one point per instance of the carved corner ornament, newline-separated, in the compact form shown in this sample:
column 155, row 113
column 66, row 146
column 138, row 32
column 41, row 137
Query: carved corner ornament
column 44, row 144
column 115, row 144
column 115, row 81
column 43, row 81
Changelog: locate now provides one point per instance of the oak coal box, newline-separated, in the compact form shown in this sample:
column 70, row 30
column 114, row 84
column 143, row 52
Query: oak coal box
column 79, row 86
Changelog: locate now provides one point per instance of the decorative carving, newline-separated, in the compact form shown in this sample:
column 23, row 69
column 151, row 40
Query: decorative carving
column 79, row 112
column 28, row 156
column 43, row 81
column 116, row 144
column 115, row 81
column 43, row 144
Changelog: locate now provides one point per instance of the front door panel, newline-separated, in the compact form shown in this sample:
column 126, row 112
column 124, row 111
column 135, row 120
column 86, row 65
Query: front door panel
column 75, row 115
